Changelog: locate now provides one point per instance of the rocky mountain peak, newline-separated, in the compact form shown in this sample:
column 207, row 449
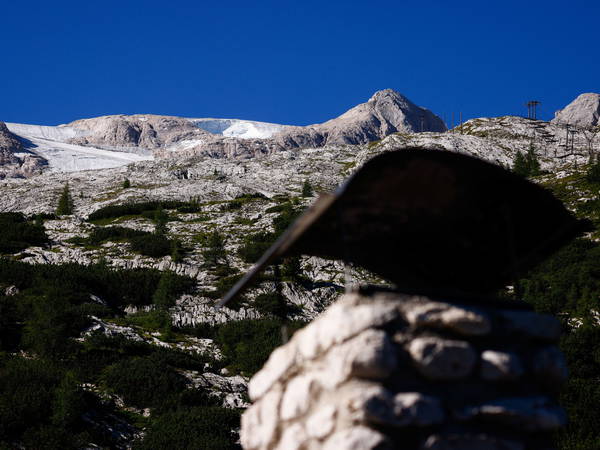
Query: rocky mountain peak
column 584, row 111
column 387, row 94
column 387, row 112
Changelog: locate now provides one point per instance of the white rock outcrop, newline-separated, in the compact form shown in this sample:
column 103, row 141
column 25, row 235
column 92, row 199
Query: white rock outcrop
column 583, row 112
column 387, row 370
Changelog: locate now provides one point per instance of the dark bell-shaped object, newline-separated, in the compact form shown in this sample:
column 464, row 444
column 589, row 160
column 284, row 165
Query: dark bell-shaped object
column 430, row 221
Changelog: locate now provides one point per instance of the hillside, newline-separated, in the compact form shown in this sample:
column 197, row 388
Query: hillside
column 117, row 140
column 114, row 303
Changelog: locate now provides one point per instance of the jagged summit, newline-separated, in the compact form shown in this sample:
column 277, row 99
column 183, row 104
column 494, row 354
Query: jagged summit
column 393, row 111
column 584, row 111
column 386, row 93
column 386, row 112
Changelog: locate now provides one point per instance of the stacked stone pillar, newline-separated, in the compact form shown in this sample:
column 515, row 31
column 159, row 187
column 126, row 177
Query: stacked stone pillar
column 385, row 370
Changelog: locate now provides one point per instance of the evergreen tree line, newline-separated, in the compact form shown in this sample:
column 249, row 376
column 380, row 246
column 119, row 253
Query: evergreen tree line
column 528, row 164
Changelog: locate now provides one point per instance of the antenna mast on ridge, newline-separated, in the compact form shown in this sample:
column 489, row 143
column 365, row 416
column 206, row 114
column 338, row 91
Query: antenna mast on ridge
column 531, row 109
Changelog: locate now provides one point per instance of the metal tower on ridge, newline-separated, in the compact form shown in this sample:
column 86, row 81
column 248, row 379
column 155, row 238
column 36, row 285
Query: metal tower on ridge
column 531, row 109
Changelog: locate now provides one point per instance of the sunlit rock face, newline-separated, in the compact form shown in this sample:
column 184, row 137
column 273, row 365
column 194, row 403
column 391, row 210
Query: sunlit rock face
column 385, row 113
column 584, row 111
column 15, row 160
column 386, row 370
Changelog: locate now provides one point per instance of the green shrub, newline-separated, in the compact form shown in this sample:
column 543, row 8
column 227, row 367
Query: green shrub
column 593, row 172
column 199, row 428
column 18, row 233
column 115, row 286
column 102, row 234
column 26, row 395
column 153, row 245
column 214, row 253
column 270, row 303
column 38, row 399
column 143, row 381
column 255, row 245
column 135, row 209
column 51, row 323
column 163, row 296
column 247, row 344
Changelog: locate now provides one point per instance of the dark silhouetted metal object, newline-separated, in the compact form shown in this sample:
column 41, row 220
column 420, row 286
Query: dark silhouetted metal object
column 430, row 221
column 532, row 109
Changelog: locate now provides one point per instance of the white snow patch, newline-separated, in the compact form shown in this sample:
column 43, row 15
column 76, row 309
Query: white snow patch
column 49, row 143
column 64, row 157
column 59, row 133
column 185, row 144
column 244, row 129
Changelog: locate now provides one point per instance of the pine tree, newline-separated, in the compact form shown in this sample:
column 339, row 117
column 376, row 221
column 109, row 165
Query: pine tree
column 214, row 254
column 65, row 202
column 176, row 251
column 126, row 183
column 593, row 172
column 533, row 164
column 162, row 298
column 307, row 190
column 69, row 402
column 520, row 165
column 160, row 220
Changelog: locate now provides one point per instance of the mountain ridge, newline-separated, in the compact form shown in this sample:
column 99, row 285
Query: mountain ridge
column 148, row 135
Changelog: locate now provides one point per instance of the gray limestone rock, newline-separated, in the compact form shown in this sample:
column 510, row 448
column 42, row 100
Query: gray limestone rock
column 466, row 321
column 386, row 112
column 584, row 111
column 146, row 131
column 310, row 396
column 442, row 359
column 414, row 408
column 15, row 161
column 531, row 413
column 500, row 366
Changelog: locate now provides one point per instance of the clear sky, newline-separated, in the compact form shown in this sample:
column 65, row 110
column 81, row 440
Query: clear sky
column 291, row 62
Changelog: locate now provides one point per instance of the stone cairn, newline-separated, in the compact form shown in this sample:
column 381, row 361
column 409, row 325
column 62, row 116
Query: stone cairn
column 383, row 370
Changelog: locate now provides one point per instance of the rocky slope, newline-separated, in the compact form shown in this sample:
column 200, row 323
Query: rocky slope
column 9, row 145
column 15, row 161
column 216, row 185
column 147, row 135
column 147, row 132
column 582, row 112
column 385, row 113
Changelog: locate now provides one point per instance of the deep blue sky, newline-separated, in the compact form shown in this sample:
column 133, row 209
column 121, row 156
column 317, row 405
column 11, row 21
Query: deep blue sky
column 288, row 62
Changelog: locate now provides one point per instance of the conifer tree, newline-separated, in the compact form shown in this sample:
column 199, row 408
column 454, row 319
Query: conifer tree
column 214, row 254
column 176, row 251
column 593, row 172
column 65, row 202
column 160, row 220
column 126, row 183
column 161, row 297
column 533, row 164
column 307, row 190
